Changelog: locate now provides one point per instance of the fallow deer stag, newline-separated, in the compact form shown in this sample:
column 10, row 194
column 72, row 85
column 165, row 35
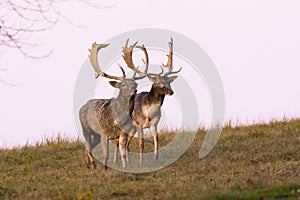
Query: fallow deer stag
column 147, row 105
column 108, row 119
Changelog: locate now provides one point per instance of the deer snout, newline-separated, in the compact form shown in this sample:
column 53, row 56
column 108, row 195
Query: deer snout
column 133, row 92
column 170, row 92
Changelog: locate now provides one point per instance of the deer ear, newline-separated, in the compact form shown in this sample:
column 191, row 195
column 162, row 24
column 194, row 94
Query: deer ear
column 114, row 84
column 172, row 78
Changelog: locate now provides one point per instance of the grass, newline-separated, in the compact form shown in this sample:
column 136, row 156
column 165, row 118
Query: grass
column 249, row 162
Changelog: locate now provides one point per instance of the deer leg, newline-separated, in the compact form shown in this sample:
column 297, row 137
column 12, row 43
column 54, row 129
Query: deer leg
column 141, row 142
column 87, row 148
column 95, row 140
column 130, row 136
column 127, row 148
column 87, row 158
column 87, row 133
column 153, row 130
column 116, row 150
column 105, row 149
column 122, row 145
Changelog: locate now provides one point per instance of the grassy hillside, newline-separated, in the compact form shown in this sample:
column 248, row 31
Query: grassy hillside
column 251, row 162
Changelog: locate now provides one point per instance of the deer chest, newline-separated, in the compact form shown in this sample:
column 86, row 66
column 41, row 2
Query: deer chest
column 151, row 114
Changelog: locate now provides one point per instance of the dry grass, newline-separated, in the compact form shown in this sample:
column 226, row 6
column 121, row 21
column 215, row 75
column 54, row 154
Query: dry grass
column 251, row 162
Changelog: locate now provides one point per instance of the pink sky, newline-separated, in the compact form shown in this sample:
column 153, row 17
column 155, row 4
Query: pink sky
column 255, row 45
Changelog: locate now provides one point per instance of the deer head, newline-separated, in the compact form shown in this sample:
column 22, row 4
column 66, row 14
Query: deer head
column 127, row 86
column 162, row 82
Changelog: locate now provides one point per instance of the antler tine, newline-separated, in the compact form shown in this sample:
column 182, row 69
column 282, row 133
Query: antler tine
column 146, row 61
column 168, row 73
column 123, row 72
column 94, row 62
column 159, row 74
column 133, row 76
column 170, row 57
column 162, row 71
column 127, row 51
column 170, row 60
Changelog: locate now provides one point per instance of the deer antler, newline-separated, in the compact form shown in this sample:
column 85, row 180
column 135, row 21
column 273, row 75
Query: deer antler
column 157, row 75
column 127, row 51
column 94, row 62
column 169, row 64
column 170, row 56
column 128, row 54
column 146, row 61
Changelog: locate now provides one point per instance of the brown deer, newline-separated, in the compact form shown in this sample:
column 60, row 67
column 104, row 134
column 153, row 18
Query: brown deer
column 109, row 119
column 147, row 105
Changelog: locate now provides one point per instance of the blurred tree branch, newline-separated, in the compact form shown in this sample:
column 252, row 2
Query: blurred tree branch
column 19, row 19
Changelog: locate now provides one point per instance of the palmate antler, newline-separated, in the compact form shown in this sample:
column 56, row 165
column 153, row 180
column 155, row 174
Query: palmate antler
column 169, row 64
column 127, row 56
column 94, row 62
column 146, row 61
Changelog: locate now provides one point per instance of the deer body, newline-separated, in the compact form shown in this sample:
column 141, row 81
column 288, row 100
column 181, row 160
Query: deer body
column 147, row 105
column 109, row 119
column 97, row 115
column 147, row 111
column 101, row 120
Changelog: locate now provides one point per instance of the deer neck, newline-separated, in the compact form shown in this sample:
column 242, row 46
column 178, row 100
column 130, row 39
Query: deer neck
column 122, row 108
column 124, row 104
column 155, row 97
